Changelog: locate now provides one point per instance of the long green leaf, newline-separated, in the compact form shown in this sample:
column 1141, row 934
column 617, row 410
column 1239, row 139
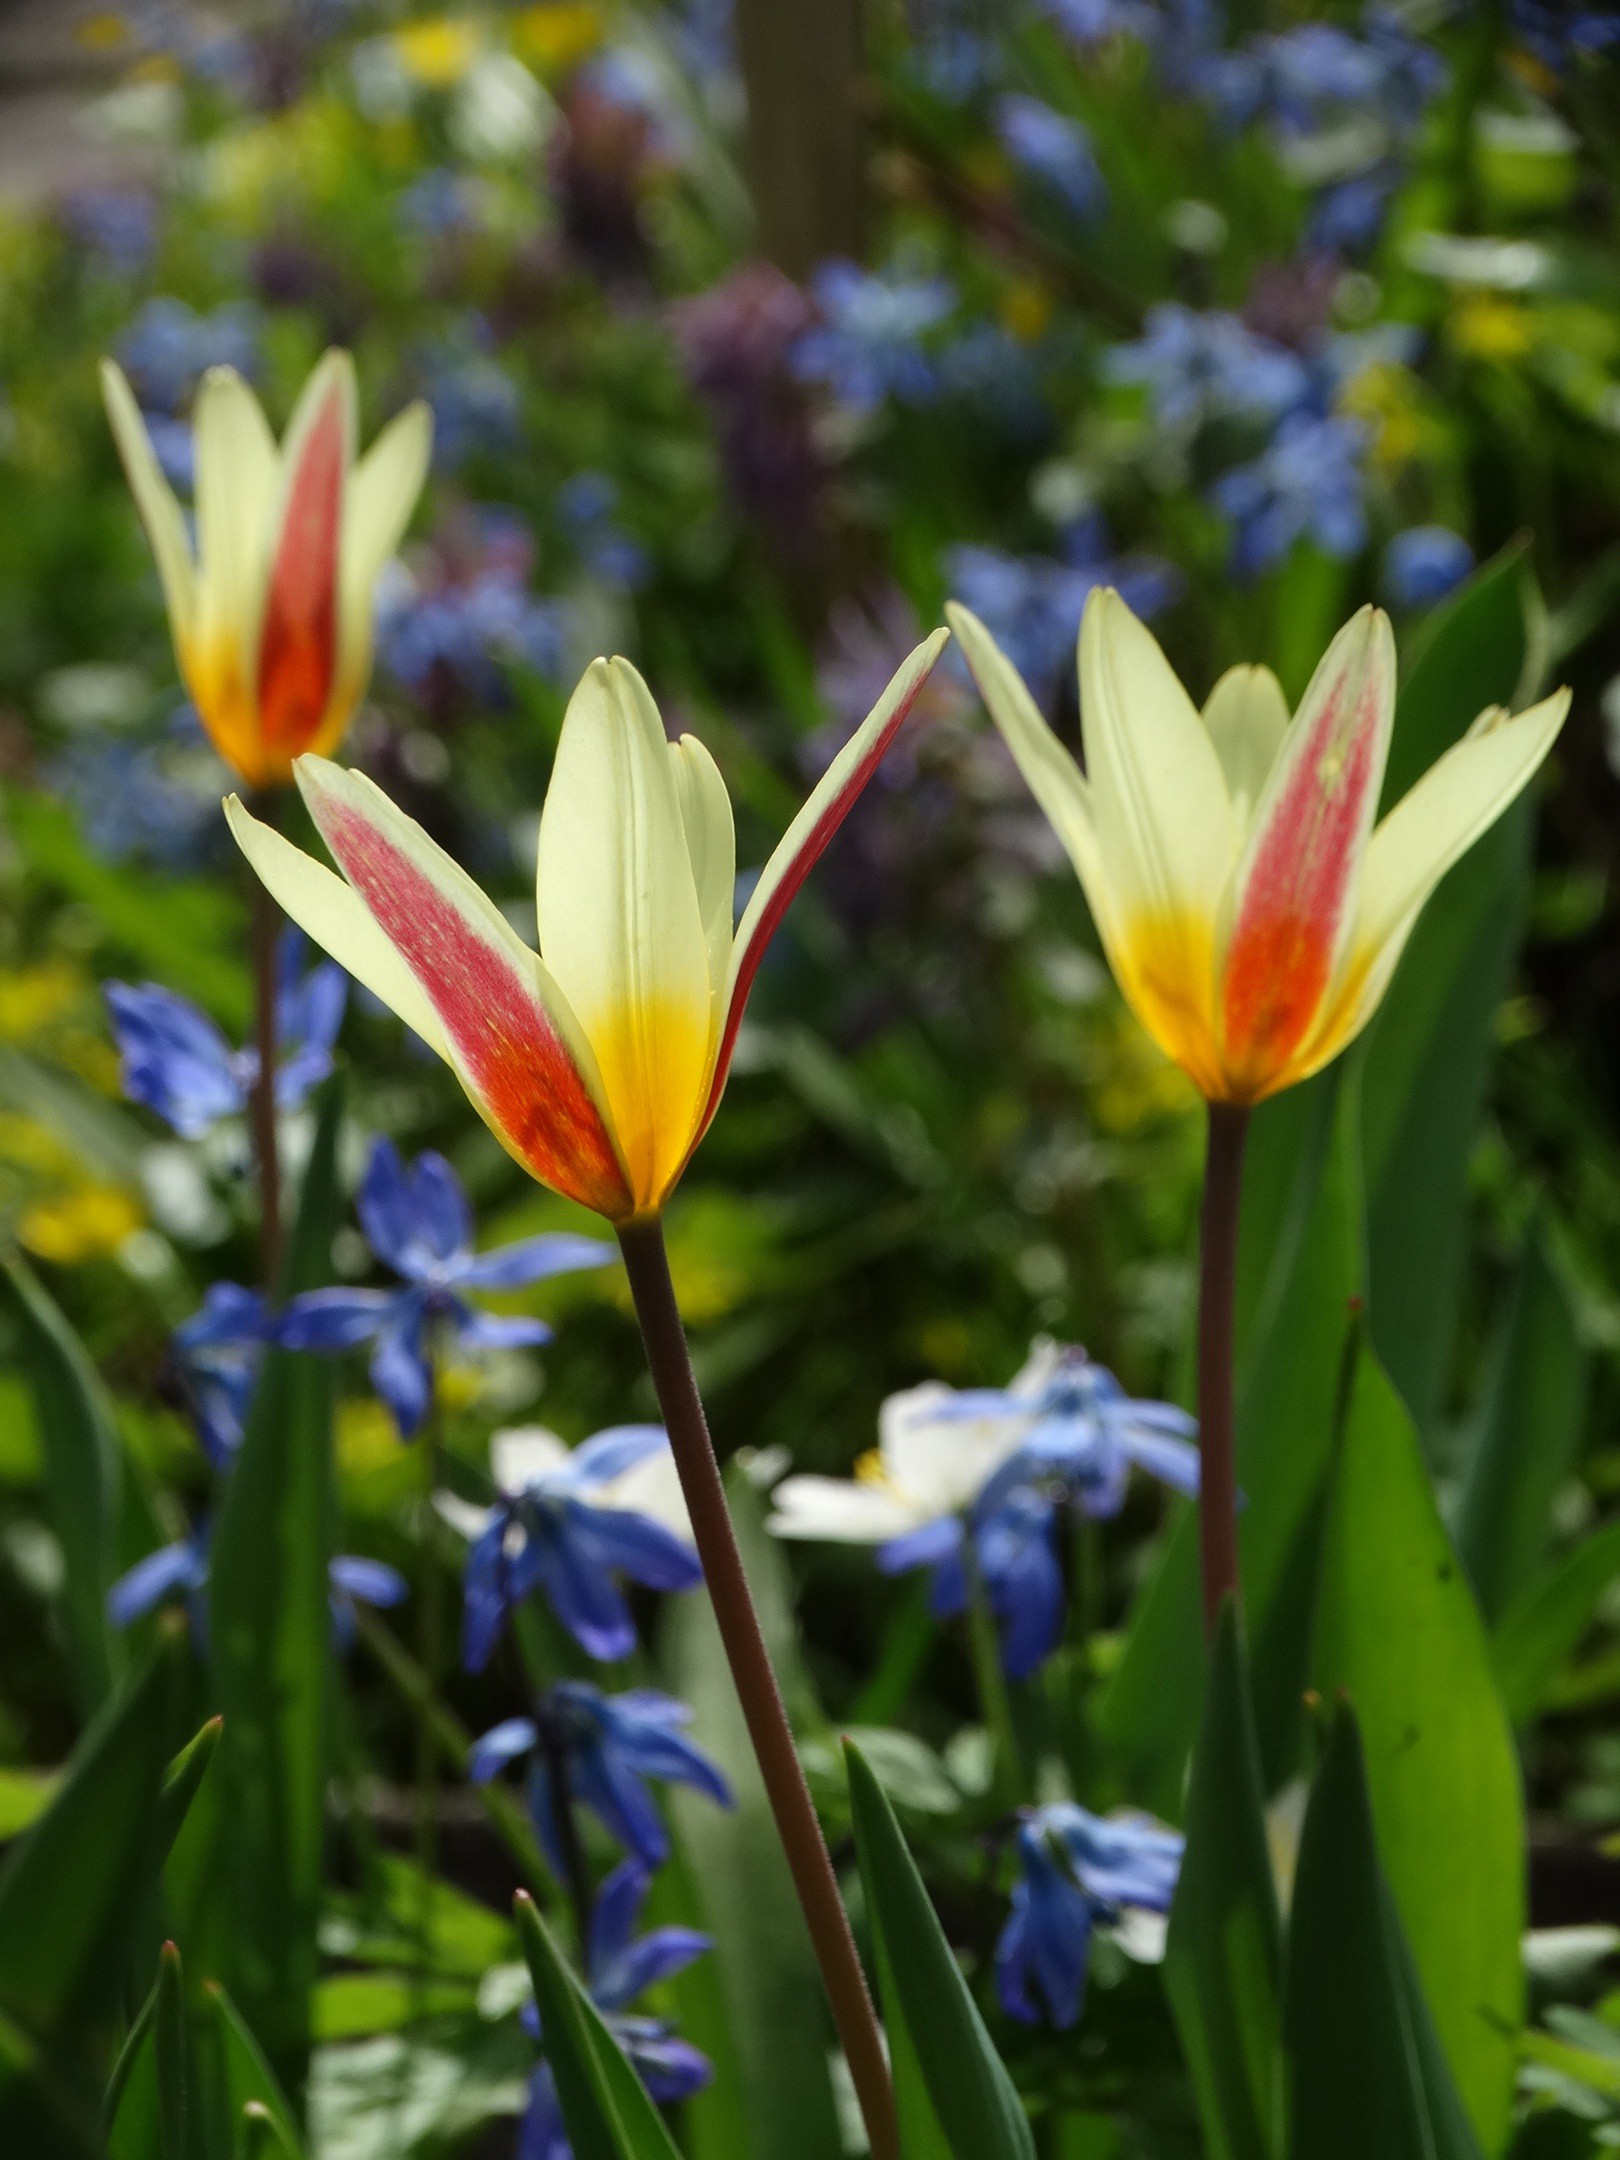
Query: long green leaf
column 927, row 2006
column 81, row 1474
column 1428, row 1050
column 1297, row 1312
column 1528, row 1433
column 1400, row 1636
column 72, row 1890
column 605, row 2108
column 247, row 2080
column 775, row 2026
column 270, row 1629
column 1366, row 2076
column 1544, row 1625
column 170, row 2049
column 1223, row 1955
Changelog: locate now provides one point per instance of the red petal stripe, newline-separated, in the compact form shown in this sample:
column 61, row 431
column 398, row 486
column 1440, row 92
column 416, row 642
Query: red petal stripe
column 1286, row 936
column 298, row 643
column 514, row 1056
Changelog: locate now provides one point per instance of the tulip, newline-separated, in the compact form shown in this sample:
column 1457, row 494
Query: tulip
column 1251, row 903
column 1251, row 909
column 599, row 1062
column 272, row 613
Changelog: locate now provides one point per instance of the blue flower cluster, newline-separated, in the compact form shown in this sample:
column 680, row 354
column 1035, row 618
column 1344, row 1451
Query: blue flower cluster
column 1078, row 1437
column 872, row 341
column 178, row 1064
column 1079, row 1872
column 448, row 629
column 165, row 353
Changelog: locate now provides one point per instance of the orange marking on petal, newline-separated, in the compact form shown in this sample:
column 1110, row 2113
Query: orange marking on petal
column 527, row 1081
column 298, row 642
column 1285, row 940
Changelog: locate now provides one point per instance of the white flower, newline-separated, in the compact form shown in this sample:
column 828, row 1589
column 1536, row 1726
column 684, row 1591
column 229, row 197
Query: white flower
column 931, row 1460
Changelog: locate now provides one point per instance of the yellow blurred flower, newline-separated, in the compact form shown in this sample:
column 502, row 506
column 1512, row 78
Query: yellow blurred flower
column 556, row 38
column 364, row 1437
column 34, row 999
column 1487, row 326
column 437, row 53
column 1384, row 397
column 81, row 1225
column 102, row 33
column 1026, row 309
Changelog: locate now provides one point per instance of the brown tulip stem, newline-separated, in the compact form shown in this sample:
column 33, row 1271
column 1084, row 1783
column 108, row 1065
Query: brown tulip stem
column 1217, row 1291
column 647, row 1265
column 266, row 922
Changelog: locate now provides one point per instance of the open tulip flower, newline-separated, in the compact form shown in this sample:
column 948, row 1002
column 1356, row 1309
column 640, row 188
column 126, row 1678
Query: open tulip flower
column 599, row 1062
column 272, row 614
column 1252, row 910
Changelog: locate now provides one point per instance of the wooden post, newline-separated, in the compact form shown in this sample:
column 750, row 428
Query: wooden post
column 802, row 64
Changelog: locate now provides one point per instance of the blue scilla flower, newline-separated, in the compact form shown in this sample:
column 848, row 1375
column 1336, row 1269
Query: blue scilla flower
column 1423, row 564
column 1080, row 1872
column 1200, row 366
column 1306, row 482
column 154, row 800
column 477, row 408
column 1032, row 604
column 1083, row 1434
column 215, row 1358
column 168, row 348
column 1053, row 150
column 180, row 1572
column 869, row 344
column 176, row 1061
column 452, row 624
column 439, row 204
column 120, row 224
column 586, row 504
column 606, row 1747
column 568, row 1522
column 1562, row 33
column 619, row 1966
column 418, row 1223
column 1089, row 22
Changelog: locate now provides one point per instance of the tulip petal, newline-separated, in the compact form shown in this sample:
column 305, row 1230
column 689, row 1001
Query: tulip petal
column 806, row 839
column 1432, row 826
column 154, row 498
column 620, row 927
column 1050, row 773
column 334, row 914
column 382, row 493
column 1292, row 905
column 1247, row 717
column 508, row 1028
column 711, row 842
column 298, row 642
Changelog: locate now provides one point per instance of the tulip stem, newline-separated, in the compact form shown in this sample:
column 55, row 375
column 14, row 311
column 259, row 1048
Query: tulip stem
column 266, row 921
column 1217, row 1289
column 647, row 1265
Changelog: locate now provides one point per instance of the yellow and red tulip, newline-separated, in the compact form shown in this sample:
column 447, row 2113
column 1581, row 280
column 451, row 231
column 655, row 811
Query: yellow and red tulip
column 272, row 614
column 599, row 1061
column 1251, row 904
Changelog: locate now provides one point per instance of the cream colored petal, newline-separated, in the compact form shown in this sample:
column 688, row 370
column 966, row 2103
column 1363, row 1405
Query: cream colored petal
column 1461, row 795
column 651, row 1487
column 1247, row 717
column 1166, row 837
column 841, row 1510
column 238, row 477
column 523, row 1453
column 154, row 498
column 937, row 1462
column 335, row 916
column 1050, row 773
column 620, row 927
column 711, row 842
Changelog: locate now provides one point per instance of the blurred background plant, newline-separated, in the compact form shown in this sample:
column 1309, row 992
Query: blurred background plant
column 748, row 343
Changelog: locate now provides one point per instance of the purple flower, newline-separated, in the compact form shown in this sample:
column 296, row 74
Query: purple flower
column 1079, row 1871
column 606, row 1748
column 176, row 1061
column 869, row 345
column 418, row 1223
column 619, row 1966
column 1053, row 150
column 1306, row 482
column 737, row 340
column 567, row 1523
